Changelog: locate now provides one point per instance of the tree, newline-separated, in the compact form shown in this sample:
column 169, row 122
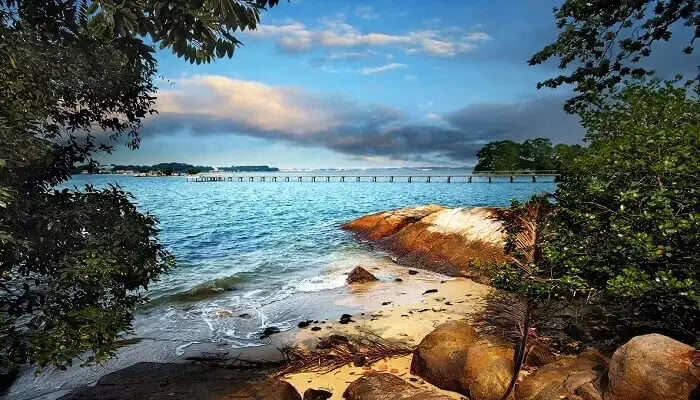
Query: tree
column 537, row 154
column 75, row 77
column 167, row 171
column 193, row 171
column 605, row 42
column 627, row 223
column 498, row 156
column 532, row 154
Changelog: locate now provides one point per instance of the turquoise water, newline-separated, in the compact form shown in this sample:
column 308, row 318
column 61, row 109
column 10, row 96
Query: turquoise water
column 253, row 255
column 268, row 243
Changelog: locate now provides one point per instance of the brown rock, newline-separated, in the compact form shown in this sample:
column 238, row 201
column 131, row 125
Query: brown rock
column 317, row 394
column 565, row 378
column 388, row 387
column 360, row 275
column 383, row 224
column 488, row 369
column 440, row 356
column 652, row 367
column 159, row 381
column 450, row 241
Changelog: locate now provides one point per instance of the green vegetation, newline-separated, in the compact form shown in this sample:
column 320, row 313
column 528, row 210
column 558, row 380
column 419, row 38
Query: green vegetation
column 533, row 154
column 249, row 168
column 602, row 43
column 625, row 228
column 172, row 166
column 75, row 76
column 193, row 171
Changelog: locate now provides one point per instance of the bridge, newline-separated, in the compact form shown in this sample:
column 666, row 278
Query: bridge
column 489, row 177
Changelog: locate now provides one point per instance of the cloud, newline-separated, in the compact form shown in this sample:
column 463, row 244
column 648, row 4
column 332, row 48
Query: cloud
column 366, row 13
column 381, row 69
column 216, row 105
column 295, row 37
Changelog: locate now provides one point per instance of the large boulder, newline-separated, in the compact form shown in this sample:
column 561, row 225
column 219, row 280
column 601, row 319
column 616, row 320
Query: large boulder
column 383, row 224
column 440, row 356
column 568, row 377
column 388, row 387
column 160, row 381
column 488, row 369
column 652, row 367
column 360, row 275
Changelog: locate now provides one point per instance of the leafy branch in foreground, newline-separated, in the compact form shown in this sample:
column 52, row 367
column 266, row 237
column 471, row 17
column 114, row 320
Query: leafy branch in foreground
column 603, row 43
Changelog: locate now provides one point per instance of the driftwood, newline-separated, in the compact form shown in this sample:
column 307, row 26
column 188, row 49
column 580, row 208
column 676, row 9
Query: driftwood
column 338, row 351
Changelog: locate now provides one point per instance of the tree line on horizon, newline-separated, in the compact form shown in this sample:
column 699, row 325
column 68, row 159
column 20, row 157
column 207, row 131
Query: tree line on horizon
column 531, row 155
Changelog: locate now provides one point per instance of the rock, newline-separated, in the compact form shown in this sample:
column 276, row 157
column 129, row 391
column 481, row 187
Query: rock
column 383, row 386
column 455, row 241
column 383, row 224
column 317, row 394
column 267, row 332
column 398, row 280
column 565, row 378
column 223, row 313
column 304, row 324
column 244, row 316
column 440, row 356
column 652, row 367
column 346, row 319
column 360, row 275
column 488, row 369
column 412, row 272
column 430, row 291
column 159, row 381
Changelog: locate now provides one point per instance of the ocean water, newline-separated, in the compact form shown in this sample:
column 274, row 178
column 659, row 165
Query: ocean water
column 253, row 255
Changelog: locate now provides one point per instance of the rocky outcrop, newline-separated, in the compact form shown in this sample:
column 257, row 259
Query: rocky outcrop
column 156, row 381
column 380, row 386
column 440, row 356
column 568, row 377
column 488, row 369
column 317, row 394
column 383, row 224
column 457, row 242
column 653, row 367
column 360, row 275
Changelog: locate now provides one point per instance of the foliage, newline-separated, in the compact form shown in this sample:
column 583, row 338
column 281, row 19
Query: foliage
column 532, row 154
column 175, row 166
column 76, row 78
column 604, row 41
column 167, row 171
column 193, row 171
column 626, row 228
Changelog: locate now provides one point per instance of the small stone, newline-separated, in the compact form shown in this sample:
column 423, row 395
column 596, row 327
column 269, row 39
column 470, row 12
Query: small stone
column 244, row 315
column 398, row 280
column 317, row 394
column 430, row 291
column 269, row 331
column 304, row 324
column 412, row 272
column 316, row 328
column 345, row 319
column 223, row 313
column 360, row 275
column 386, row 303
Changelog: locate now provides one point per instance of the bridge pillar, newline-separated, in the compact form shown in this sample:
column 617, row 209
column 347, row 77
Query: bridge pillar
column 286, row 179
column 358, row 178
column 391, row 179
column 313, row 179
column 374, row 179
column 470, row 179
column 328, row 179
column 262, row 179
column 427, row 180
column 342, row 179
column 489, row 179
column 449, row 179
column 534, row 178
column 511, row 179
column 300, row 179
column 409, row 179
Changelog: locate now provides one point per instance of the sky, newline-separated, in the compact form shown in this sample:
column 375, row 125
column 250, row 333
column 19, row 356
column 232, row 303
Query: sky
column 353, row 84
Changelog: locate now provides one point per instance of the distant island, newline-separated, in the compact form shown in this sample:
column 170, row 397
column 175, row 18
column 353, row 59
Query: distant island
column 167, row 169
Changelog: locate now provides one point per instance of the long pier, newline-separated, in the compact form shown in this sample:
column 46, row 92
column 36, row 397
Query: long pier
column 531, row 176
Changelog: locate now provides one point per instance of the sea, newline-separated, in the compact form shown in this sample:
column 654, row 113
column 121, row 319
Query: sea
column 254, row 255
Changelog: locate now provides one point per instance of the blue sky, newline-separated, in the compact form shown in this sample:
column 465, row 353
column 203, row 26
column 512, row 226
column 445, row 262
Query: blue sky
column 362, row 84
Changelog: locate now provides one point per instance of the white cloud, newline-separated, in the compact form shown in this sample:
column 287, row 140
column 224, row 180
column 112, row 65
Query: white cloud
column 433, row 116
column 335, row 32
column 366, row 12
column 383, row 68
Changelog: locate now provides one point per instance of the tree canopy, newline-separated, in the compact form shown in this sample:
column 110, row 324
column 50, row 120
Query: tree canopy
column 76, row 78
column 533, row 154
column 601, row 43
